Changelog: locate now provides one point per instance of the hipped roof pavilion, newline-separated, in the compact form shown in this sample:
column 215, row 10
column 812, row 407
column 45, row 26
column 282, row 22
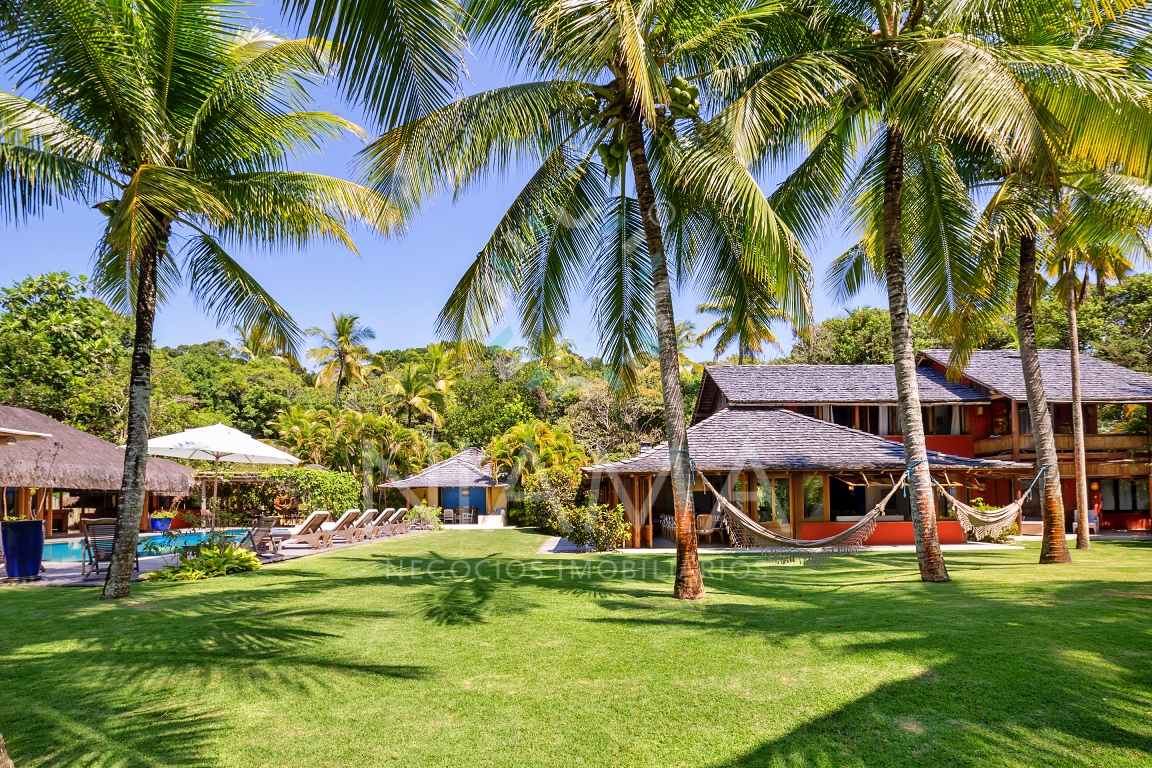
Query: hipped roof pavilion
column 464, row 470
column 75, row 460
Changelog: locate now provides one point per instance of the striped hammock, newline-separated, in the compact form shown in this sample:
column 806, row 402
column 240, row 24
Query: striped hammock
column 748, row 534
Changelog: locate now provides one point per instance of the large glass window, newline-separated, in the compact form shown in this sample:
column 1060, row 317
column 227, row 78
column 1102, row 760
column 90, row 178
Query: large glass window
column 814, row 498
column 773, row 500
column 1108, row 488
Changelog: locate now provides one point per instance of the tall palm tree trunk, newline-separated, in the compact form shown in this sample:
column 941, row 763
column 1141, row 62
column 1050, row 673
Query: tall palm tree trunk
column 689, row 584
column 1082, row 539
column 340, row 383
column 133, row 486
column 920, row 496
column 1054, row 549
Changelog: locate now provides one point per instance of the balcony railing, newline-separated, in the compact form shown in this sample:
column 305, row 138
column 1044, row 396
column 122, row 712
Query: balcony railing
column 1092, row 444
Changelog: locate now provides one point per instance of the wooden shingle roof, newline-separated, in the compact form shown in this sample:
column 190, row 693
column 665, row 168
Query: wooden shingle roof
column 464, row 470
column 74, row 460
column 737, row 439
column 830, row 384
column 999, row 371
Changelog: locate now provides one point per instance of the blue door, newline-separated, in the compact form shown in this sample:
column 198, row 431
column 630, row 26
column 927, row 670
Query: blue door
column 449, row 498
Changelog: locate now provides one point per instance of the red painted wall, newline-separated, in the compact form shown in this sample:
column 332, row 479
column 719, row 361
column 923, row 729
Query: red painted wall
column 1124, row 521
column 887, row 534
column 957, row 445
column 980, row 425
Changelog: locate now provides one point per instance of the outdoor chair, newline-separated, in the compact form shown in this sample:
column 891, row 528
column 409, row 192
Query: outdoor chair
column 1093, row 523
column 466, row 515
column 310, row 532
column 704, row 527
column 259, row 537
column 378, row 525
column 341, row 527
column 449, row 516
column 358, row 531
column 99, row 534
column 397, row 524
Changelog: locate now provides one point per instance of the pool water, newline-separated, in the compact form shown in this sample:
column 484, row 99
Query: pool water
column 71, row 551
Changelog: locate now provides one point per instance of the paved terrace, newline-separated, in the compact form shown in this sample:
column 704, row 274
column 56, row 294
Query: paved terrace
column 68, row 574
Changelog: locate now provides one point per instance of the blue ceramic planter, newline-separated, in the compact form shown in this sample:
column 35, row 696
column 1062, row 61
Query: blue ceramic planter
column 161, row 523
column 23, row 542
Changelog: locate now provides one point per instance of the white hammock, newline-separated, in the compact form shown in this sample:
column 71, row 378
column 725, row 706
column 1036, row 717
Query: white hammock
column 749, row 534
column 989, row 523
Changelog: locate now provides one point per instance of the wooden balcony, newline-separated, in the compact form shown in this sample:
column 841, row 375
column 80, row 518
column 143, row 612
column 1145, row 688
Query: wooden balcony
column 1117, row 444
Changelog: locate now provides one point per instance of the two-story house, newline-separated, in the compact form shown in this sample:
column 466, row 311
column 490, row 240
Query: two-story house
column 808, row 449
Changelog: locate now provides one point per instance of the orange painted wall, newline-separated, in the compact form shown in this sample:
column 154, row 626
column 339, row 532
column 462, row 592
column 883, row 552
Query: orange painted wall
column 887, row 533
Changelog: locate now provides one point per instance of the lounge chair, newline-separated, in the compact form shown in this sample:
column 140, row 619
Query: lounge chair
column 341, row 527
column 99, row 533
column 310, row 532
column 396, row 524
column 259, row 537
column 359, row 529
column 379, row 523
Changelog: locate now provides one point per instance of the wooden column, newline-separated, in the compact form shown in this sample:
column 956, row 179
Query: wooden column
column 1014, row 420
column 637, row 517
column 650, row 524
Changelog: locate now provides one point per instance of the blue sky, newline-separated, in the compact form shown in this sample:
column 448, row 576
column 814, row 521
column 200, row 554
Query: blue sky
column 396, row 286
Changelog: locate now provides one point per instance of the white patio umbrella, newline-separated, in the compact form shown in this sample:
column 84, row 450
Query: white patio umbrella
column 218, row 443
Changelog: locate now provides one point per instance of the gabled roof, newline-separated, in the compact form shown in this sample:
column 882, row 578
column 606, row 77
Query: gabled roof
column 829, row 384
column 70, row 459
column 737, row 439
column 461, row 471
column 999, row 371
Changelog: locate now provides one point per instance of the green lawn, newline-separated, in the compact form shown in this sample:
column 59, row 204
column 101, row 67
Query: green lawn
column 348, row 659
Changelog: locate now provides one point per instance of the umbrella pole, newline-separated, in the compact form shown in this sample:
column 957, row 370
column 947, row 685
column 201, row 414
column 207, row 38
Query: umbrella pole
column 215, row 491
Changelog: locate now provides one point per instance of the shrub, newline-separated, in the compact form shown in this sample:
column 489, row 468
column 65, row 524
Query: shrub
column 600, row 525
column 313, row 488
column 206, row 562
column 164, row 514
column 609, row 528
column 546, row 494
column 424, row 518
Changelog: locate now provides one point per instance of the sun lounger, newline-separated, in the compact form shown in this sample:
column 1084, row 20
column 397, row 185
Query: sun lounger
column 397, row 524
column 379, row 523
column 310, row 532
column 358, row 531
column 98, row 537
column 341, row 526
column 259, row 537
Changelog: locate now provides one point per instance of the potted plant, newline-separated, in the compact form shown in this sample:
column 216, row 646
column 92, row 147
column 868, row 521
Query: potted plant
column 161, row 519
column 23, row 545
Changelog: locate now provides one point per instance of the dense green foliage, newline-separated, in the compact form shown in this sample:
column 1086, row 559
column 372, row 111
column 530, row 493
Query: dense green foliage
column 315, row 488
column 206, row 563
column 535, row 661
column 64, row 354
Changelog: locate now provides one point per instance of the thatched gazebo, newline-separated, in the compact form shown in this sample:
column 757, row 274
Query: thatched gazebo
column 72, row 473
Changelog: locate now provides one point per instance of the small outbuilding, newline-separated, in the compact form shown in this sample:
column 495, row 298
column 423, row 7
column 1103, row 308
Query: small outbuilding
column 459, row 482
column 71, row 474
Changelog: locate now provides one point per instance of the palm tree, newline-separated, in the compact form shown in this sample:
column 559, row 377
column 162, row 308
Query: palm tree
column 1098, row 219
column 936, row 91
column 413, row 388
column 614, row 87
column 304, row 432
column 255, row 343
column 745, row 312
column 177, row 122
column 342, row 354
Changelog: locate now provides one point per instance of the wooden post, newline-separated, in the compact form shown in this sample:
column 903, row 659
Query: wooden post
column 648, row 522
column 635, row 491
column 1014, row 419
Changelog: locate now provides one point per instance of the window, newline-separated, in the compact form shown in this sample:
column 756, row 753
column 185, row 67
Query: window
column 814, row 498
column 1124, row 495
column 1141, row 495
column 1025, row 419
column 1000, row 423
column 809, row 410
column 844, row 415
column 1108, row 487
column 870, row 419
column 773, row 500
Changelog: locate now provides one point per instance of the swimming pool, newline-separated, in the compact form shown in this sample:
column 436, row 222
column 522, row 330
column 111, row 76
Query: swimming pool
column 71, row 551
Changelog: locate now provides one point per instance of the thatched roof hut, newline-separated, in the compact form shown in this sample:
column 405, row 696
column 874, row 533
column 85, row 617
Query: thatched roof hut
column 75, row 460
